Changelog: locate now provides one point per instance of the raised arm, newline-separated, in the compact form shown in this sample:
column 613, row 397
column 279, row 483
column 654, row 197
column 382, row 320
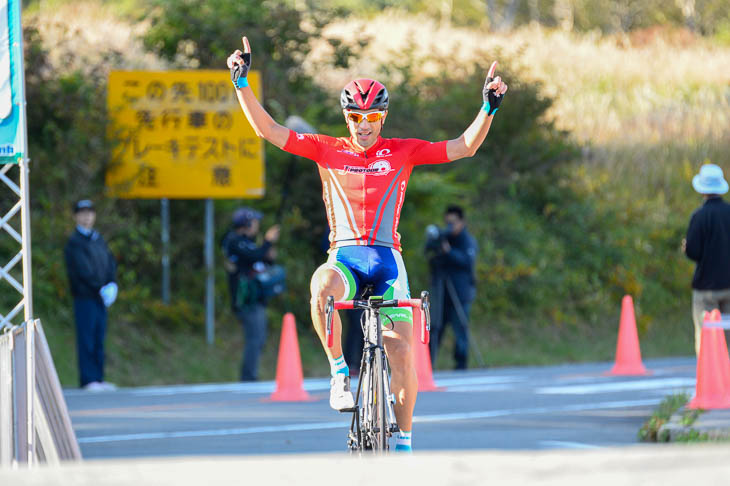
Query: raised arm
column 469, row 141
column 263, row 124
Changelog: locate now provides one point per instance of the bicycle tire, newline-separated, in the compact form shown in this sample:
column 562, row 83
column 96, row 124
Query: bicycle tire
column 380, row 439
column 365, row 416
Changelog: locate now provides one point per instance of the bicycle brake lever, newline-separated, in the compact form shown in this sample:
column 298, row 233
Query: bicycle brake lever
column 426, row 308
column 329, row 310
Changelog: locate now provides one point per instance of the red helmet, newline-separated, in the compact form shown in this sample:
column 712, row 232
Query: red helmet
column 364, row 94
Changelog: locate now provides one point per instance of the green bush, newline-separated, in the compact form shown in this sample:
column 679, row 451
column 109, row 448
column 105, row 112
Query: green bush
column 562, row 238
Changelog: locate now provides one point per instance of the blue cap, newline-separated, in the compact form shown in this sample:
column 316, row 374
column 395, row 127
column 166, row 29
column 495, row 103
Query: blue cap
column 84, row 204
column 242, row 217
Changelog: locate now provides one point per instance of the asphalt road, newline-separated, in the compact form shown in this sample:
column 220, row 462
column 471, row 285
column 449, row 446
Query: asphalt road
column 530, row 408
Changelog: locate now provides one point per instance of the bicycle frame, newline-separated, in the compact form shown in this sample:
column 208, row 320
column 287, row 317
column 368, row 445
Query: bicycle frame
column 373, row 420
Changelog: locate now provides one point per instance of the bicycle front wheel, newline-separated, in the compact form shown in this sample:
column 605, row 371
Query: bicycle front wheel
column 379, row 404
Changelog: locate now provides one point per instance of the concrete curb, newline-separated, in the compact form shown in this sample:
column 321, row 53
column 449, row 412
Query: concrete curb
column 640, row 465
column 712, row 425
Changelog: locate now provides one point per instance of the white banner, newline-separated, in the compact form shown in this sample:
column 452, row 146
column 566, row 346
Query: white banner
column 12, row 84
column 6, row 94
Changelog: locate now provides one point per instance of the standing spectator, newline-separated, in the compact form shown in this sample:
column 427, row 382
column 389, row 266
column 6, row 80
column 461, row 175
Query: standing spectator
column 243, row 259
column 452, row 252
column 91, row 270
column 708, row 244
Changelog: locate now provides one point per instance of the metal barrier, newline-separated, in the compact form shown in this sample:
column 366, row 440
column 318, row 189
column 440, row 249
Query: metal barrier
column 34, row 420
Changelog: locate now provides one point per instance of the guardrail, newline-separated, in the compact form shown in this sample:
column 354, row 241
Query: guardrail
column 34, row 422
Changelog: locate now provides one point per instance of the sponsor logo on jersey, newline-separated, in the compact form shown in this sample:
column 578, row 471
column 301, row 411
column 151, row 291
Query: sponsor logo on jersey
column 300, row 136
column 383, row 153
column 378, row 168
column 348, row 152
column 399, row 206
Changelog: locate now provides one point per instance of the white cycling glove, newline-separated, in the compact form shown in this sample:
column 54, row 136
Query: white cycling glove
column 109, row 293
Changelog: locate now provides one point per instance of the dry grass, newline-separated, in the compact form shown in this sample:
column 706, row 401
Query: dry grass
column 605, row 88
column 649, row 88
column 83, row 34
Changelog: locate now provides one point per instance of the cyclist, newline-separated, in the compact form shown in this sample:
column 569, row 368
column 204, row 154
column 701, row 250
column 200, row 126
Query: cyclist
column 364, row 179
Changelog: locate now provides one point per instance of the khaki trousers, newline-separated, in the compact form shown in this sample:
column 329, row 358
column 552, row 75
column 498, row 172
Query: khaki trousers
column 707, row 300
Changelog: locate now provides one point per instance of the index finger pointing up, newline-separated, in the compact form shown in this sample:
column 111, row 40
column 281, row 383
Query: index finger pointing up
column 246, row 45
column 492, row 69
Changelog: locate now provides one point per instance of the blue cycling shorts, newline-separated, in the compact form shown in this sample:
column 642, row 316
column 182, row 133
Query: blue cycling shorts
column 379, row 266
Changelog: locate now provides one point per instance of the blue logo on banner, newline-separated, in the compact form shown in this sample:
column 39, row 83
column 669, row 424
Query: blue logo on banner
column 7, row 150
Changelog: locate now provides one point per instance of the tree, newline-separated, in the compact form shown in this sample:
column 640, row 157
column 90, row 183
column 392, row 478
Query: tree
column 502, row 17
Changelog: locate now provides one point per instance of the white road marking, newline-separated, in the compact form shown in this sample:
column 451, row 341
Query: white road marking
column 561, row 444
column 214, row 433
column 647, row 384
column 485, row 414
column 478, row 380
column 580, row 407
column 690, row 390
column 478, row 388
column 267, row 387
column 260, row 387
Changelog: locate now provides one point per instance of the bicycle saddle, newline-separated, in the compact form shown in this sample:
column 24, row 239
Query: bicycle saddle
column 367, row 291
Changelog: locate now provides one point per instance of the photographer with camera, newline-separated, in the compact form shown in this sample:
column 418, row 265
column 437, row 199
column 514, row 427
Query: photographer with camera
column 451, row 253
column 252, row 279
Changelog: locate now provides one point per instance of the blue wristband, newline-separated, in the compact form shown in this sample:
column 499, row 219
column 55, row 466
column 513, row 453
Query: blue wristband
column 486, row 107
column 241, row 83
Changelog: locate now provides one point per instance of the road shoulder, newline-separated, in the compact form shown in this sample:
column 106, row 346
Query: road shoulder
column 710, row 425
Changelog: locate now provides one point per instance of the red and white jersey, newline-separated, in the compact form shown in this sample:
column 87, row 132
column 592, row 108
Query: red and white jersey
column 363, row 192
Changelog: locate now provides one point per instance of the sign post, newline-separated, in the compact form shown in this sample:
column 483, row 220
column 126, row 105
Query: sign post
column 182, row 135
column 165, row 237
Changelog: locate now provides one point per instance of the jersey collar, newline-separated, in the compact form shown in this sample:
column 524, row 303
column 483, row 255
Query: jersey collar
column 371, row 151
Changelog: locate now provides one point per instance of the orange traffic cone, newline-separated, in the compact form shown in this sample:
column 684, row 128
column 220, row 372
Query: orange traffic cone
column 289, row 377
column 422, row 357
column 713, row 366
column 628, row 354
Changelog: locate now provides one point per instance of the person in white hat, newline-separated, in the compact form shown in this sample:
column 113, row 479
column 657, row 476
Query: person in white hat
column 708, row 244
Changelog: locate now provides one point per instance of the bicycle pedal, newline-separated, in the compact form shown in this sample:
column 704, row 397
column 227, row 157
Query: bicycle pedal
column 348, row 410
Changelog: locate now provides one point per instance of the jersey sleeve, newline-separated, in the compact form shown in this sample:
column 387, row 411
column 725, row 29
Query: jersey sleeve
column 304, row 145
column 424, row 153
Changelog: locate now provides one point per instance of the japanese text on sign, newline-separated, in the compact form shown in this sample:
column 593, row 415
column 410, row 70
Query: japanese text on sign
column 182, row 134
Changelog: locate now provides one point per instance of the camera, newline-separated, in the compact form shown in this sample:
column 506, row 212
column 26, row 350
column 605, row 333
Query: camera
column 435, row 236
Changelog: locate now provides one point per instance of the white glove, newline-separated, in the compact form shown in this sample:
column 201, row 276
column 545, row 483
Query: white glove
column 109, row 293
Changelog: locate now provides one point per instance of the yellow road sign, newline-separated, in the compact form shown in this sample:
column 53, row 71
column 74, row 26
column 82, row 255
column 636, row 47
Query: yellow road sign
column 182, row 134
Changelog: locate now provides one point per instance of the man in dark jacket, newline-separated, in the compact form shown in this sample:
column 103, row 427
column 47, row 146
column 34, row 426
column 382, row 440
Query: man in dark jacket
column 91, row 271
column 243, row 258
column 452, row 253
column 708, row 244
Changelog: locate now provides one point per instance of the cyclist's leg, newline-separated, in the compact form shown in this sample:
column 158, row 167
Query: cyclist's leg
column 336, row 280
column 403, row 380
column 327, row 281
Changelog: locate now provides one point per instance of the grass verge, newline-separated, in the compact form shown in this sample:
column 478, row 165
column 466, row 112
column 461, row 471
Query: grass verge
column 652, row 431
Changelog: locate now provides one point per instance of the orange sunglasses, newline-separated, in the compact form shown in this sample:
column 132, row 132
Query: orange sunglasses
column 371, row 117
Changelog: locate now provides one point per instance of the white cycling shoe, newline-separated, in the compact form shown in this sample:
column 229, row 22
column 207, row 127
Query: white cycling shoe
column 340, row 394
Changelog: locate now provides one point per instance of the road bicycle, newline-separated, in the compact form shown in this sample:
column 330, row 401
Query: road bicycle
column 373, row 417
